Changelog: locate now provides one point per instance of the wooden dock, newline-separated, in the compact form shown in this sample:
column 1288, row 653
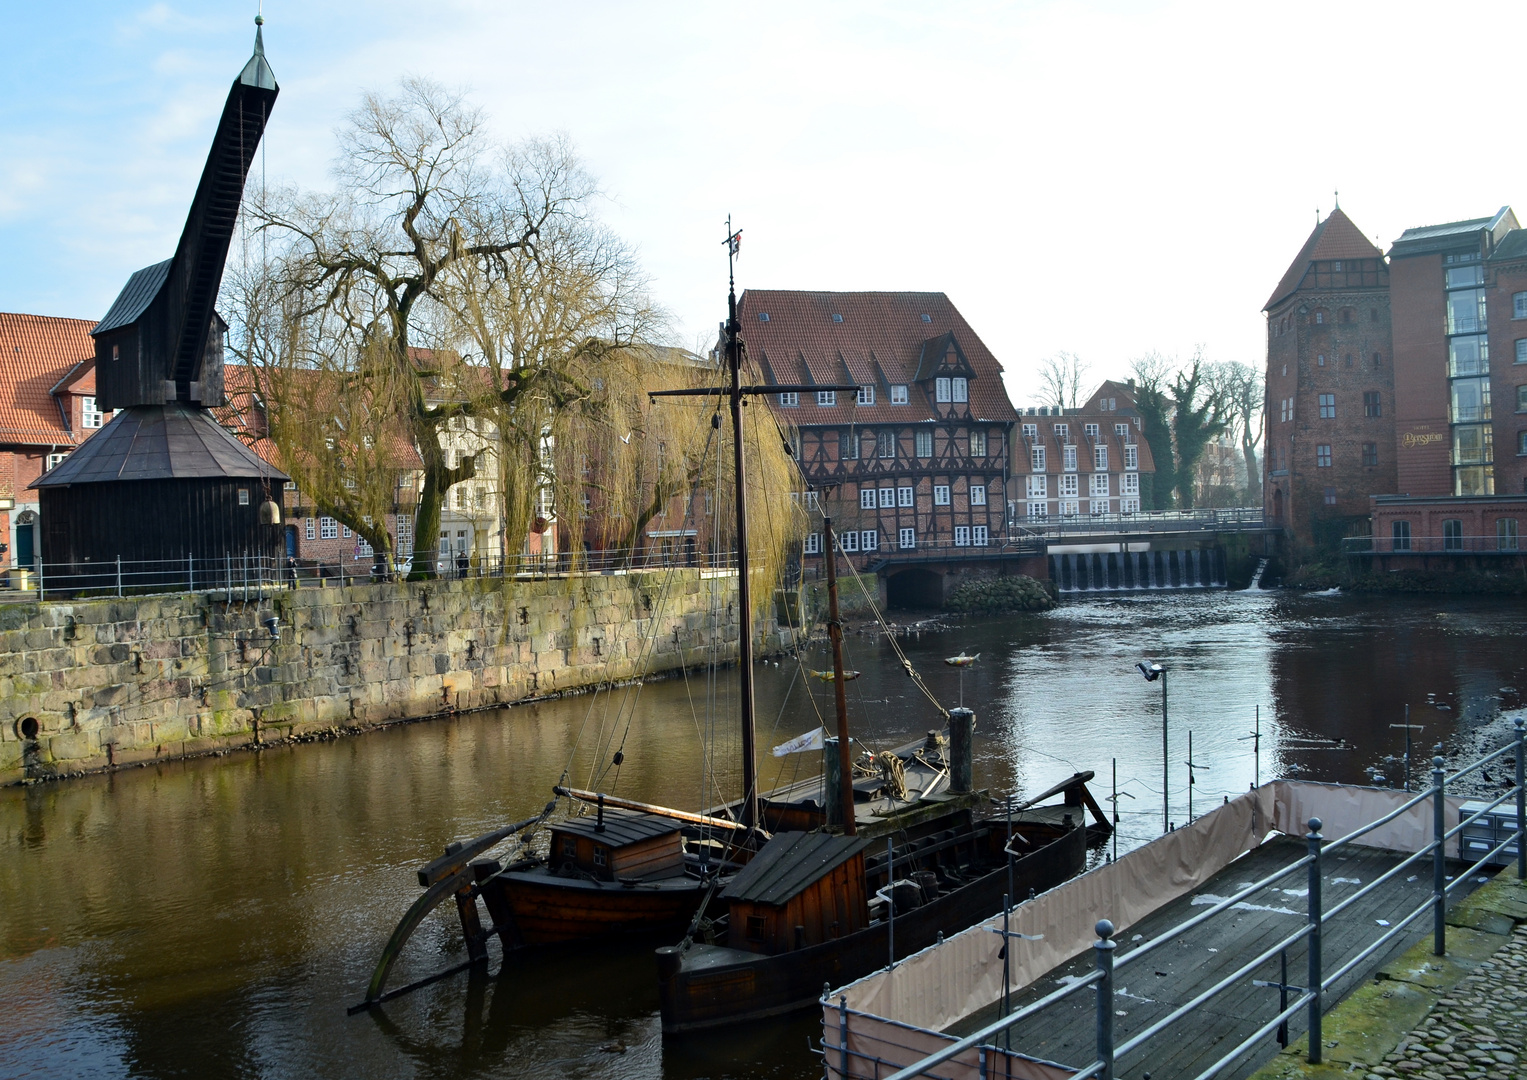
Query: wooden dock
column 1176, row 972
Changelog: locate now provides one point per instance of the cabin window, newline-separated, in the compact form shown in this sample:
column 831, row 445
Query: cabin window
column 243, row 496
column 755, row 927
column 569, row 848
column 601, row 856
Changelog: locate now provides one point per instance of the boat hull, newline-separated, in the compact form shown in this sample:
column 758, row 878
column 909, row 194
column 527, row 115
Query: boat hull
column 706, row 985
column 544, row 909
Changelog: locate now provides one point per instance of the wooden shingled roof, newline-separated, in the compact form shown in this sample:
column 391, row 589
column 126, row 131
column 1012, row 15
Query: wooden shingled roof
column 789, row 863
column 877, row 338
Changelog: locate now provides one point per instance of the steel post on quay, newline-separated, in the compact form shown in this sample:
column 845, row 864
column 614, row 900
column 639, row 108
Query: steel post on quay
column 1521, row 800
column 1104, row 946
column 1315, row 974
column 1439, row 857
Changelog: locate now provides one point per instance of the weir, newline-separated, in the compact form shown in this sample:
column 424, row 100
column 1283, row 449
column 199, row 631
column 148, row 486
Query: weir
column 1137, row 571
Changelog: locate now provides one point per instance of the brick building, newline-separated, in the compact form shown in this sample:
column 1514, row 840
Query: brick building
column 1079, row 463
column 47, row 409
column 919, row 457
column 1330, row 407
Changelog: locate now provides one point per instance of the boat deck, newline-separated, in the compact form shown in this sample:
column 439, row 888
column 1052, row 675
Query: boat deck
column 1176, row 973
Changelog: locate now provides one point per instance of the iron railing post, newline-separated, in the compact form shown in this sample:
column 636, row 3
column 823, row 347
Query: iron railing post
column 1439, row 859
column 119, row 576
column 890, row 892
column 1521, row 802
column 1105, row 946
column 1315, row 976
column 843, row 1035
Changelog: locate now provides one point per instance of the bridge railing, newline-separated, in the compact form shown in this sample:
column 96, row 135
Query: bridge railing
column 1226, row 519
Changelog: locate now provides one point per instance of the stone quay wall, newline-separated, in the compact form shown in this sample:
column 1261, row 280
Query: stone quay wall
column 99, row 682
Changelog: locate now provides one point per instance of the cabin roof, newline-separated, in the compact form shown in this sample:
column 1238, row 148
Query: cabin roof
column 789, row 863
column 160, row 442
column 621, row 827
column 135, row 297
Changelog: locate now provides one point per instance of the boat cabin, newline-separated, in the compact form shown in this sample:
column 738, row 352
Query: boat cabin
column 801, row 889
column 616, row 844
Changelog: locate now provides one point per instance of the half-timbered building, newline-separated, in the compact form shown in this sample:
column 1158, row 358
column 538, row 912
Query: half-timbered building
column 918, row 458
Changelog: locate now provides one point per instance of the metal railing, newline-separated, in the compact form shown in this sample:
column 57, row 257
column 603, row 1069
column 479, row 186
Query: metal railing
column 1229, row 519
column 1485, row 544
column 250, row 574
column 1311, row 997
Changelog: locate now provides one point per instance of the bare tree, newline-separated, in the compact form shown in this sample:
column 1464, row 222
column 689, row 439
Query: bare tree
column 1062, row 380
column 1242, row 391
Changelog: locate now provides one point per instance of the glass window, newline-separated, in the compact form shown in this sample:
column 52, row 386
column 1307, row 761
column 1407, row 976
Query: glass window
column 1399, row 533
column 866, row 396
column 1100, row 458
column 1519, row 305
column 1373, row 404
column 1038, row 511
column 888, row 498
column 907, row 538
column 328, row 528
column 1062, row 431
column 978, row 535
column 1323, row 456
column 1129, row 484
column 1031, row 431
column 1091, row 430
column 904, row 496
column 1037, row 458
column 1320, row 318
column 1038, row 486
column 978, row 443
column 1370, row 454
column 885, row 444
column 1471, row 445
column 941, row 390
column 827, row 397
column 1521, row 350
column 1507, row 537
column 848, row 445
column 790, row 400
column 849, row 541
column 1068, row 508
column 941, row 494
column 1129, row 506
column 1099, row 507
column 1469, row 355
column 813, row 543
column 899, row 394
column 1471, row 400
column 1521, row 444
column 1121, row 430
column 962, row 536
column 345, row 533
column 1474, row 480
column 867, row 498
column 1068, row 458
column 1328, row 406
column 977, row 494
column 869, row 540
column 243, row 496
column 1070, row 486
column 924, row 440
column 1131, row 457
column 308, row 530
column 1097, row 486
column 1452, row 535
column 961, row 389
column 1330, row 496
column 90, row 416
column 1466, row 311
column 1459, row 277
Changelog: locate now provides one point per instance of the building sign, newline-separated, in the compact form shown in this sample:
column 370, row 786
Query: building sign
column 1412, row 439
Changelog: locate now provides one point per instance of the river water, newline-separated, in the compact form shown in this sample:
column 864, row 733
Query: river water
column 213, row 918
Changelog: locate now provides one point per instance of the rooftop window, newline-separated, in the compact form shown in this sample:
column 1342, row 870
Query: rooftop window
column 836, row 317
column 763, row 316
column 927, row 318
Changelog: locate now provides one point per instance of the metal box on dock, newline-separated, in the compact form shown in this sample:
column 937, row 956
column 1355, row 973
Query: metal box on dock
column 1479, row 838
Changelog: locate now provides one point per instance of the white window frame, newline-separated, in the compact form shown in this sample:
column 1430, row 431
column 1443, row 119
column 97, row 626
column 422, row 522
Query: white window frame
column 1519, row 305
column 960, row 388
column 1069, row 487
column 941, row 391
column 977, row 493
column 978, row 439
column 1037, row 459
column 906, row 538
column 790, row 400
column 869, row 540
column 923, row 442
column 345, row 533
column 1070, row 508
column 1129, row 483
column 90, row 416
column 866, row 498
column 1091, row 429
column 1038, row 487
column 827, row 398
column 940, row 494
column 849, row 541
column 904, row 496
column 962, row 536
column 1131, row 457
column 1039, row 511
column 1068, row 457
column 1129, row 506
column 404, row 544
column 1100, row 458
column 1097, row 487
column 813, row 544
column 1098, row 507
column 1031, row 431
column 865, row 396
column 887, row 498
column 1061, row 431
column 979, row 535
column 885, row 439
column 328, row 528
column 310, row 529
column 1121, row 430
column 811, row 500
column 898, row 393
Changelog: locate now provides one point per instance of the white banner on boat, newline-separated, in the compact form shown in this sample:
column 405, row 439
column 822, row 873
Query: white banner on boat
column 812, row 740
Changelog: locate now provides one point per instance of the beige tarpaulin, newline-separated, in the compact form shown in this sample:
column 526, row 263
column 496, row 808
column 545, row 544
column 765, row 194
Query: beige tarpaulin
column 944, row 983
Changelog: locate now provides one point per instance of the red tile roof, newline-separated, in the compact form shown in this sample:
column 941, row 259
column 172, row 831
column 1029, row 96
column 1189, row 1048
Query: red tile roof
column 1334, row 238
column 881, row 339
column 36, row 354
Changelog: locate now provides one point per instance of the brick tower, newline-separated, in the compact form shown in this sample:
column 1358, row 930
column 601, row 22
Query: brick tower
column 1330, row 386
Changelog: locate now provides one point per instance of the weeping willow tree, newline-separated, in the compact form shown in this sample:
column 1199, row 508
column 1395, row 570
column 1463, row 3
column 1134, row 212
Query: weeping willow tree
column 453, row 312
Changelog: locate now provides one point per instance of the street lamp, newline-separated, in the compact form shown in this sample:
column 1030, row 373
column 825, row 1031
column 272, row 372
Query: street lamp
column 1152, row 672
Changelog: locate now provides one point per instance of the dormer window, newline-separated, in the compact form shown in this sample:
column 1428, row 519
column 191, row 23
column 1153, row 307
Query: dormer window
column 827, row 397
column 941, row 391
column 1062, row 431
column 1092, row 431
column 1031, row 431
column 961, row 389
column 90, row 416
column 790, row 399
column 1068, row 458
column 866, row 396
column 899, row 394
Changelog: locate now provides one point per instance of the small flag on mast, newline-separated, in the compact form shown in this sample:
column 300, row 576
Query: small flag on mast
column 734, row 243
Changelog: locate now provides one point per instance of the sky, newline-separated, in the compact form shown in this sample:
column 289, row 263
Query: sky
column 1106, row 179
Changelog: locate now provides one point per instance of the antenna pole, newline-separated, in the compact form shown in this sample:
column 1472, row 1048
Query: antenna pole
column 744, row 589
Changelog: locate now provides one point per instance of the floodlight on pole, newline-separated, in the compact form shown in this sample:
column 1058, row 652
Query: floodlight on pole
column 1153, row 671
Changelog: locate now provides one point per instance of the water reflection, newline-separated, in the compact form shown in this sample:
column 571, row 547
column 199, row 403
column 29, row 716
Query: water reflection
column 214, row 918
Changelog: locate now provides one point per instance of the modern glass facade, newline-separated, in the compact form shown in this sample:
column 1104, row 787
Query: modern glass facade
column 1468, row 367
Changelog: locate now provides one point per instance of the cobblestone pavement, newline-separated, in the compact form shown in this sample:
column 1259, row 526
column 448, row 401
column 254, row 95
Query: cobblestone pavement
column 1477, row 1030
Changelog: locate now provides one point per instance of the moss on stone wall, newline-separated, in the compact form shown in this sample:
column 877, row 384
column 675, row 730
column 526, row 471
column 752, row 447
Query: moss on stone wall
column 1003, row 595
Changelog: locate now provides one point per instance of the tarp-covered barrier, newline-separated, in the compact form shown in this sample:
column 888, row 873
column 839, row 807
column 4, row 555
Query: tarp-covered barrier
column 908, row 1006
column 877, row 1047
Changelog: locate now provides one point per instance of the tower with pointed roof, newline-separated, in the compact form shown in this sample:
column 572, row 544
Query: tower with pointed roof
column 163, row 480
column 1330, row 386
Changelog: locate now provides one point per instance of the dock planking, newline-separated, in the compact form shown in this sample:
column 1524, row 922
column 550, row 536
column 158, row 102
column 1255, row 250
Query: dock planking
column 1173, row 974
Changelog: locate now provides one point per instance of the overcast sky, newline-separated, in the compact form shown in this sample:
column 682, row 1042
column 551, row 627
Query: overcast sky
column 1095, row 177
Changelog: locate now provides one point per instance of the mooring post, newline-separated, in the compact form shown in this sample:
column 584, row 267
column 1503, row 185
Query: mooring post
column 1439, row 859
column 1521, row 802
column 1315, row 842
column 1105, row 946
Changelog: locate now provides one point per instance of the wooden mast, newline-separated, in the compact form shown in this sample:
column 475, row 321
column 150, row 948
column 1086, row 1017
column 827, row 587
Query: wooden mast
column 835, row 635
